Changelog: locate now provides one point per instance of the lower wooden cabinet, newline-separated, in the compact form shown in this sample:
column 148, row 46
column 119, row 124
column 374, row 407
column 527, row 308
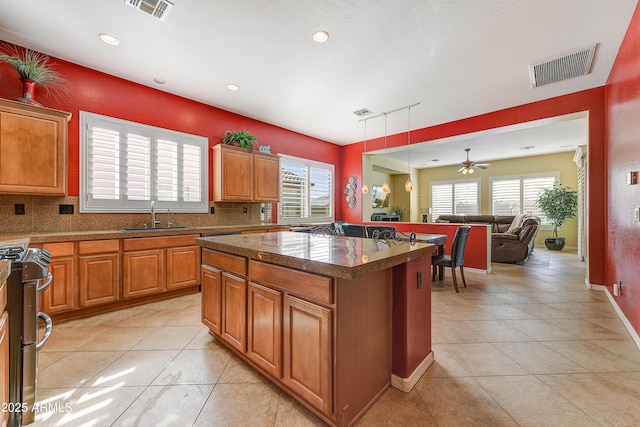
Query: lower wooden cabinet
column 99, row 272
column 183, row 267
column 60, row 296
column 234, row 310
column 143, row 272
column 264, row 326
column 307, row 351
column 211, row 298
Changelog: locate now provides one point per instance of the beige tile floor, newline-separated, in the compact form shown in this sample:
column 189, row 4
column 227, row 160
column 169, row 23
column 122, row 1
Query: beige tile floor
column 523, row 346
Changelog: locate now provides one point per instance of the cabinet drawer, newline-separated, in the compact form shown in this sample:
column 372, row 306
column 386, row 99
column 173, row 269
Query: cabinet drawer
column 146, row 243
column 98, row 246
column 231, row 263
column 296, row 282
column 59, row 249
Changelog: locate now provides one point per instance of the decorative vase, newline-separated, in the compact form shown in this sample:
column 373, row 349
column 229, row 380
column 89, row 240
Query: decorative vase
column 28, row 90
column 554, row 243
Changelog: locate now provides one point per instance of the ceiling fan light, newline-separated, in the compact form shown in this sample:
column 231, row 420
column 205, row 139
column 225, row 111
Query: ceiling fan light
column 465, row 171
column 470, row 170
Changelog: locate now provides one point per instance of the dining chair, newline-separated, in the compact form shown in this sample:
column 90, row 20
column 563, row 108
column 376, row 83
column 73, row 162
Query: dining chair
column 380, row 231
column 456, row 259
column 354, row 230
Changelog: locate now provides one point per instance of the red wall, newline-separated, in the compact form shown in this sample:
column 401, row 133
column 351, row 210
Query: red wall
column 589, row 100
column 622, row 100
column 111, row 96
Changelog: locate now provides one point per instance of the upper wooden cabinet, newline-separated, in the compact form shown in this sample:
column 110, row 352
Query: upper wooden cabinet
column 243, row 176
column 33, row 149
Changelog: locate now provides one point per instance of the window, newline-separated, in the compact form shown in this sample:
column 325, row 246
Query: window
column 125, row 165
column 455, row 197
column 306, row 191
column 516, row 195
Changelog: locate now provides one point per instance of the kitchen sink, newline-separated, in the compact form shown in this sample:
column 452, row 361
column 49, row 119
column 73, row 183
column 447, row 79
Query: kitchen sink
column 132, row 230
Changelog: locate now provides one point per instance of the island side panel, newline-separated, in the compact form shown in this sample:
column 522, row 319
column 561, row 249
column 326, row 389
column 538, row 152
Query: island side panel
column 411, row 316
column 363, row 343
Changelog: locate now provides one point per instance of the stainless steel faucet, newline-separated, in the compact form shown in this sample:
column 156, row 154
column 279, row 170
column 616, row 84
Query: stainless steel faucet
column 169, row 222
column 154, row 222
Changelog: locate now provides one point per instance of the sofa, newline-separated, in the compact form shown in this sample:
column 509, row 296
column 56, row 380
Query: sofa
column 512, row 237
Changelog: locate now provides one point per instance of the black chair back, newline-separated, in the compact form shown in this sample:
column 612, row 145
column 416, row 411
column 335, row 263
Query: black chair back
column 381, row 232
column 354, row 230
column 459, row 244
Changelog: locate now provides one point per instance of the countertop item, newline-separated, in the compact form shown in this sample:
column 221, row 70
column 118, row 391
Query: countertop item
column 338, row 256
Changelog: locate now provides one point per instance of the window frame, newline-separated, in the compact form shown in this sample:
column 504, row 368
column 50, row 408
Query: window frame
column 308, row 164
column 554, row 174
column 453, row 182
column 122, row 203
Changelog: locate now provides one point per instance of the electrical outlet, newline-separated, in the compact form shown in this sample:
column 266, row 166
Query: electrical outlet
column 212, row 210
column 20, row 209
column 617, row 288
column 245, row 209
column 419, row 279
column 637, row 214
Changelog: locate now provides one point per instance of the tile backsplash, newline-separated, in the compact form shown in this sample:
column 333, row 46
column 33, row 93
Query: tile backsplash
column 45, row 214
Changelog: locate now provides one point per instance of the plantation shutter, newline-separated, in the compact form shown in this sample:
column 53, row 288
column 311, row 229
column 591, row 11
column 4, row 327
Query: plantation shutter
column 441, row 200
column 466, row 198
column 505, row 197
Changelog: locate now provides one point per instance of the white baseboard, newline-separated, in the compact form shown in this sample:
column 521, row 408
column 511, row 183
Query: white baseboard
column 407, row 384
column 625, row 321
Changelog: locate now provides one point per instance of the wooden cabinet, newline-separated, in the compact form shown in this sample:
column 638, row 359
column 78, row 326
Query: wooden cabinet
column 240, row 175
column 155, row 264
column 264, row 326
column 307, row 351
column 234, row 310
column 4, row 343
column 211, row 298
column 60, row 295
column 33, row 149
column 99, row 272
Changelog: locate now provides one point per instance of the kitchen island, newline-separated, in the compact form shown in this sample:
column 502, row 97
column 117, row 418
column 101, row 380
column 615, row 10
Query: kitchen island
column 332, row 320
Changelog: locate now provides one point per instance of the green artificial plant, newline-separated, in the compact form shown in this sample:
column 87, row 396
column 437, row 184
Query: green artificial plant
column 34, row 66
column 243, row 138
column 558, row 204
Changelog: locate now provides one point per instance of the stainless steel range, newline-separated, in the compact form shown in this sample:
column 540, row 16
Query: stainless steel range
column 29, row 277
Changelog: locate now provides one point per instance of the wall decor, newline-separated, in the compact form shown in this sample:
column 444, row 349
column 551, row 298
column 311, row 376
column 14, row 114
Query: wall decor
column 350, row 192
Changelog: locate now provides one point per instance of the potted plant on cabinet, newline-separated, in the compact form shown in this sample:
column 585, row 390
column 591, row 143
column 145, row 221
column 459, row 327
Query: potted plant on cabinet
column 241, row 138
column 558, row 204
column 34, row 69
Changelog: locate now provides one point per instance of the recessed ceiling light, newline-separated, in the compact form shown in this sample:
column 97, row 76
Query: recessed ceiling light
column 320, row 36
column 233, row 86
column 109, row 39
column 160, row 81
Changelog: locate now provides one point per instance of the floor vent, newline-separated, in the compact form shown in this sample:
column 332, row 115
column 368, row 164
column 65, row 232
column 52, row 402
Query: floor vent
column 573, row 64
column 362, row 112
column 159, row 9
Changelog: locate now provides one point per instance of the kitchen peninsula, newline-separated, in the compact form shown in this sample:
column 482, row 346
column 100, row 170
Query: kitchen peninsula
column 332, row 320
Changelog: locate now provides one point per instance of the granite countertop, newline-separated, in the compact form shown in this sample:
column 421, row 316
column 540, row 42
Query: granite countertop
column 337, row 256
column 71, row 236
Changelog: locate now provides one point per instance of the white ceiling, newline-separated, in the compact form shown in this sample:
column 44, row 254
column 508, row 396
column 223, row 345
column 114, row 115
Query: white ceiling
column 457, row 58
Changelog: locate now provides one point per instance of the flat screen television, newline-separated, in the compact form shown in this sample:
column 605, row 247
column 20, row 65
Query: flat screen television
column 379, row 199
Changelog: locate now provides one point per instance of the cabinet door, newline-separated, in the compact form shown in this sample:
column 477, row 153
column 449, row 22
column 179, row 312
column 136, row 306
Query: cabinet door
column 183, row 267
column 308, row 351
column 211, row 298
column 264, row 328
column 143, row 273
column 33, row 143
column 4, row 366
column 237, row 175
column 234, row 310
column 99, row 279
column 266, row 178
column 59, row 296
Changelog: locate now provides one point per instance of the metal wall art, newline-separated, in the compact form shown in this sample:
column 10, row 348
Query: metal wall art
column 350, row 192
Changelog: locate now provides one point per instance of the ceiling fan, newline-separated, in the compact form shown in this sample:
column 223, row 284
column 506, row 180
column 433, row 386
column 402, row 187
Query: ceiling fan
column 468, row 165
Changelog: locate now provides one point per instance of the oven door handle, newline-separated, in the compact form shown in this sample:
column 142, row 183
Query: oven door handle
column 47, row 330
column 46, row 284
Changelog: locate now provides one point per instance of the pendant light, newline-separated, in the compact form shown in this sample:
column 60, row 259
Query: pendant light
column 365, row 187
column 408, row 186
column 385, row 185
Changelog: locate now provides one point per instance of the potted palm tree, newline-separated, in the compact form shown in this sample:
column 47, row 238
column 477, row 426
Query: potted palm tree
column 558, row 204
column 241, row 138
column 34, row 69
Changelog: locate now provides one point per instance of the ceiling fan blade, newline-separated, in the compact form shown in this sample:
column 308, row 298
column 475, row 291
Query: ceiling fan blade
column 462, row 168
column 481, row 165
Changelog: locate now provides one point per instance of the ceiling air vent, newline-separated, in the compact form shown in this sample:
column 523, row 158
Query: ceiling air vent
column 159, row 9
column 362, row 112
column 570, row 65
